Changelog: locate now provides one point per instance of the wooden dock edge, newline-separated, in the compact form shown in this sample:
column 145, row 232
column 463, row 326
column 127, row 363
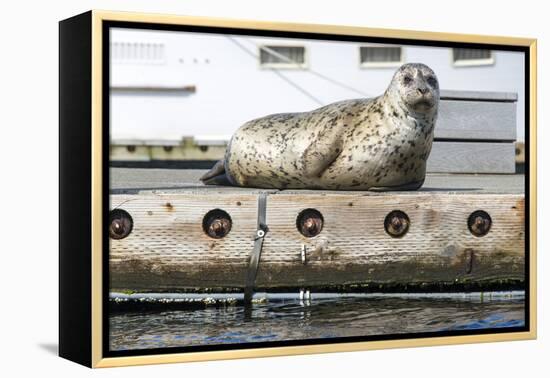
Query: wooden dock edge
column 169, row 251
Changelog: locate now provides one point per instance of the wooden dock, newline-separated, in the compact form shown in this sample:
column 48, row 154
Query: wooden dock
column 460, row 232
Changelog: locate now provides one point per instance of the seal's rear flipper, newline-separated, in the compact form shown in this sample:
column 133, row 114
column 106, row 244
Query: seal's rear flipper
column 216, row 175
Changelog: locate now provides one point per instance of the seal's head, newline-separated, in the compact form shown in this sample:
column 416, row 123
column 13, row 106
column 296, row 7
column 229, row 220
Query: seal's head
column 416, row 88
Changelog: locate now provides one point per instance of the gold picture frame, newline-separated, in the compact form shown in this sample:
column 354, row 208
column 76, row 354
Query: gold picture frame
column 80, row 274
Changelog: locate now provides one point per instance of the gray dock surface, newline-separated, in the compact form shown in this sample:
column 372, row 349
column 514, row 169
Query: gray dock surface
column 135, row 180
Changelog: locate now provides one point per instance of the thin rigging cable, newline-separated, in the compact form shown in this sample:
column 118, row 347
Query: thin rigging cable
column 322, row 76
column 276, row 71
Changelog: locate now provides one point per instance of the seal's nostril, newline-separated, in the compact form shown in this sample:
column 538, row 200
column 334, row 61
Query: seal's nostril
column 422, row 90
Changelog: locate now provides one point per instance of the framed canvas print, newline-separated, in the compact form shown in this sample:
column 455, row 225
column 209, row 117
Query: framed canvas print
column 235, row 189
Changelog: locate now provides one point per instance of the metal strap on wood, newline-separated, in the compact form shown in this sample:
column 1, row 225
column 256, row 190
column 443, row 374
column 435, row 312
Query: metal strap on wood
column 254, row 261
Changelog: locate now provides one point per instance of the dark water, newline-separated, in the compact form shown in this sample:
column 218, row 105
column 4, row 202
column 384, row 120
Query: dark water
column 320, row 318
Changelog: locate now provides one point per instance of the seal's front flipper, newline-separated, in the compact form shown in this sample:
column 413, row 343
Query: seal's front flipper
column 322, row 152
column 405, row 187
column 218, row 180
column 216, row 175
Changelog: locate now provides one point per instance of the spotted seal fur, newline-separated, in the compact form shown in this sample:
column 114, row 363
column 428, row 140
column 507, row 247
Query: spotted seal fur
column 381, row 143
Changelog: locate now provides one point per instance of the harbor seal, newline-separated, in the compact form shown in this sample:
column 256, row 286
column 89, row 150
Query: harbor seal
column 381, row 143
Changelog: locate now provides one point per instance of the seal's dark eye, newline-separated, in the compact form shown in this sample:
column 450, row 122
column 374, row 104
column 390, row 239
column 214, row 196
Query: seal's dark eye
column 407, row 79
column 432, row 81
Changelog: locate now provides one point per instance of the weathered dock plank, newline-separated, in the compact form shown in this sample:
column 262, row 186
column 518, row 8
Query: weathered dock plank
column 477, row 120
column 168, row 250
column 492, row 96
column 472, row 157
column 137, row 180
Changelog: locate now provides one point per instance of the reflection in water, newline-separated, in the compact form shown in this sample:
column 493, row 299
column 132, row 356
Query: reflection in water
column 322, row 318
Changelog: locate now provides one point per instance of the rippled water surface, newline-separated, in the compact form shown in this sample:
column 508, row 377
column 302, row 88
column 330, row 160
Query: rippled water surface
column 323, row 318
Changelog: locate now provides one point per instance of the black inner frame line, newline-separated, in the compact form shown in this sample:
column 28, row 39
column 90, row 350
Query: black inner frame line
column 107, row 25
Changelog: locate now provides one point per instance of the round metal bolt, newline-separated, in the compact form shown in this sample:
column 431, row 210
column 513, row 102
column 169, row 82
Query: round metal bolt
column 310, row 222
column 397, row 223
column 120, row 224
column 216, row 223
column 479, row 223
